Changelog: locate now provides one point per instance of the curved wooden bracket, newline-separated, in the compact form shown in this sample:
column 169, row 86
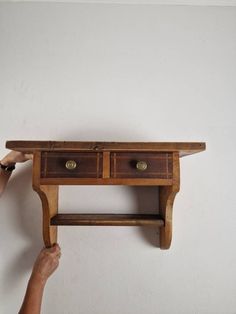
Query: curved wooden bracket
column 49, row 197
column 166, row 200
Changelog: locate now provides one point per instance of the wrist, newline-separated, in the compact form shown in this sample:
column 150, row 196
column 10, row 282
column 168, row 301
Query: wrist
column 7, row 167
column 37, row 279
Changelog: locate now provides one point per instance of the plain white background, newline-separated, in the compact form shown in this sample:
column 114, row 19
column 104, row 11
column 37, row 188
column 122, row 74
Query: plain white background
column 123, row 73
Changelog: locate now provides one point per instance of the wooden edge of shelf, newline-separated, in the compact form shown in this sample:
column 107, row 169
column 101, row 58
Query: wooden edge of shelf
column 184, row 148
column 107, row 220
column 106, row 181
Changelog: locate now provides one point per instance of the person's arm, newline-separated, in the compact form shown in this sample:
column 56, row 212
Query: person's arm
column 10, row 160
column 4, row 177
column 45, row 264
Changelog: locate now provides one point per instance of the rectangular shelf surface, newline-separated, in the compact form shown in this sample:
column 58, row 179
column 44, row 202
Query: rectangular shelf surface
column 107, row 220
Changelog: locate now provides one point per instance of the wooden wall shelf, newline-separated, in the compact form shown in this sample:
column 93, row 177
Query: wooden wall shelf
column 106, row 163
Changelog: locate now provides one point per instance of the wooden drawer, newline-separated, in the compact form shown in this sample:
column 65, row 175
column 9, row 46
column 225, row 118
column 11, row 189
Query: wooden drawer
column 71, row 165
column 142, row 165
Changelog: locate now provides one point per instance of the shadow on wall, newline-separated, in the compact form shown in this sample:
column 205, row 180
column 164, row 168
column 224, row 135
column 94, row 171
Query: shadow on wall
column 26, row 223
column 147, row 202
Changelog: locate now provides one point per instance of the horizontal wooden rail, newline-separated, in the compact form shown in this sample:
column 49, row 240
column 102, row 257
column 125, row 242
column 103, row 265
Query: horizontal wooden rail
column 106, row 181
column 107, row 220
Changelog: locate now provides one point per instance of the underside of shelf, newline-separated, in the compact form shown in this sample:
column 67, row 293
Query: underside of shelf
column 107, row 220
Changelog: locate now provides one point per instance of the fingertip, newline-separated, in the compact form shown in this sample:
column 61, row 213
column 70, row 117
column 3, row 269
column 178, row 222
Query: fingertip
column 29, row 156
column 56, row 247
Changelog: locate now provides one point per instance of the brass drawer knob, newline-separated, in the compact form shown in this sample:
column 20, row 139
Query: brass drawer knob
column 141, row 165
column 71, row 164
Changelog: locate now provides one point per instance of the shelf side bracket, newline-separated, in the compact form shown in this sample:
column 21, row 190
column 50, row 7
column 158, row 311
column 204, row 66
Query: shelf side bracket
column 166, row 200
column 49, row 198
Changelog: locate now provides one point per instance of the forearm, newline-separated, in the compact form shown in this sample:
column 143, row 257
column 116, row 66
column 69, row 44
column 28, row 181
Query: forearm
column 8, row 164
column 33, row 296
column 4, row 177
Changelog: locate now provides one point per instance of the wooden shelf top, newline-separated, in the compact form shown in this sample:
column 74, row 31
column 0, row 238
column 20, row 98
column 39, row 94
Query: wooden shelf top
column 184, row 148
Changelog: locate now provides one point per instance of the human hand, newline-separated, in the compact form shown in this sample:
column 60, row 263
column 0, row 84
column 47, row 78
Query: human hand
column 46, row 263
column 14, row 157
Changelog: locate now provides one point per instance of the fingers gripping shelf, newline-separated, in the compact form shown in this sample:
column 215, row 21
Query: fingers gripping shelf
column 106, row 163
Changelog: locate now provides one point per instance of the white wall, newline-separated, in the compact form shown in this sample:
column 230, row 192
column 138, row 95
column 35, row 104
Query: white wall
column 123, row 73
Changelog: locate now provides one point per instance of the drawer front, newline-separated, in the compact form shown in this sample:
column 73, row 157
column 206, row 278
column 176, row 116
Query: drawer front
column 142, row 165
column 71, row 165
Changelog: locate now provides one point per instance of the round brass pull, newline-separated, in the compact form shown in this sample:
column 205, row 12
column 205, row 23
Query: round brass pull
column 71, row 164
column 141, row 165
